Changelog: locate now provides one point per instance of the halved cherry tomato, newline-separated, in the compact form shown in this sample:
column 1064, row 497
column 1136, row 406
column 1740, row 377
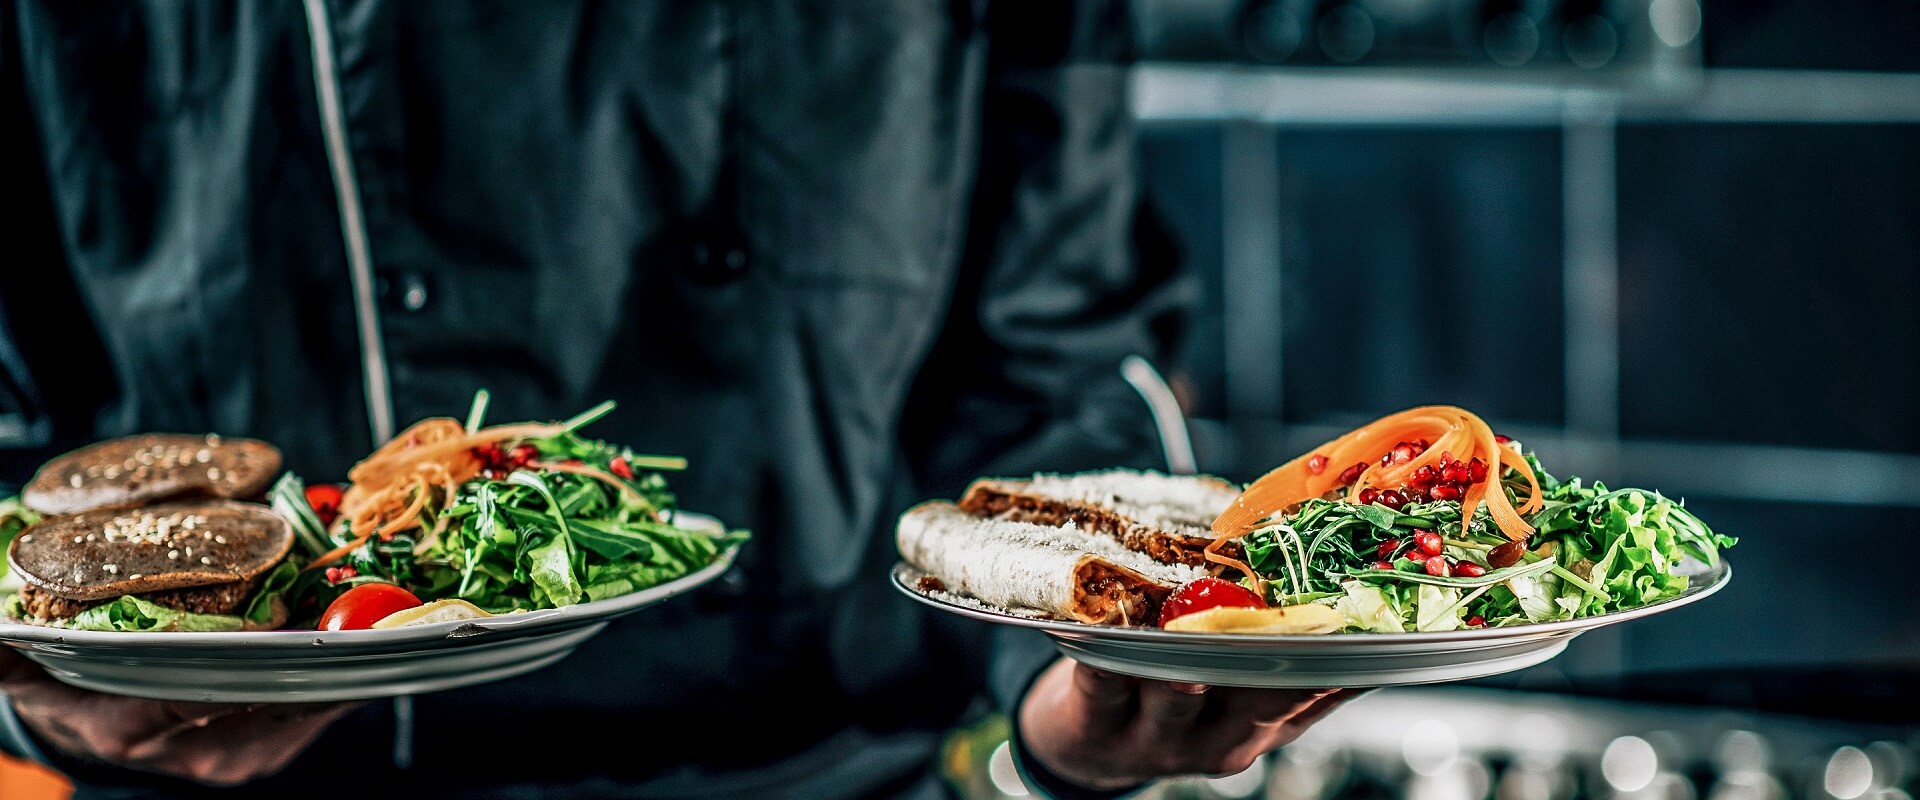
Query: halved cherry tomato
column 363, row 605
column 325, row 499
column 1207, row 593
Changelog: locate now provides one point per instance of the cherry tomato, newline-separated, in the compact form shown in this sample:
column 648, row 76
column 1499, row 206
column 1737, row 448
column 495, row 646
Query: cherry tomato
column 363, row 605
column 1207, row 593
column 325, row 499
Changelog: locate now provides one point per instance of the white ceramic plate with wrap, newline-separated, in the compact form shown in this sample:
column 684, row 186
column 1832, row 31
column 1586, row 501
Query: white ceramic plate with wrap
column 323, row 666
column 1313, row 662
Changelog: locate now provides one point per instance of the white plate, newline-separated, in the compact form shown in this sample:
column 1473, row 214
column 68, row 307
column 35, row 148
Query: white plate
column 323, row 666
column 1315, row 662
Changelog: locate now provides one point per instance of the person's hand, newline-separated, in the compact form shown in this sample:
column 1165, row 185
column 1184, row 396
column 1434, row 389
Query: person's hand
column 221, row 745
column 1105, row 731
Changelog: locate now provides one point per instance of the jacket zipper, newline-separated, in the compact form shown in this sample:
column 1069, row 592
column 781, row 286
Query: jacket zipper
column 373, row 355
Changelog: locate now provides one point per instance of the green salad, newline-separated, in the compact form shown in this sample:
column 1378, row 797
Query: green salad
column 1385, row 543
column 513, row 518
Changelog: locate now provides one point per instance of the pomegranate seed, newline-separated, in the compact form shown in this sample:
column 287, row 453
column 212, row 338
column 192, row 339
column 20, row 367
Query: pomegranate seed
column 525, row 453
column 1386, row 459
column 493, row 474
column 1477, row 469
column 1393, row 499
column 1437, row 567
column 1446, row 457
column 1423, row 477
column 1317, row 464
column 1476, row 621
column 620, row 467
column 1383, row 565
column 1404, row 452
column 1386, row 548
column 1446, row 491
column 1457, row 472
column 333, row 574
column 1428, row 542
column 1468, row 569
column 1368, row 495
column 1351, row 474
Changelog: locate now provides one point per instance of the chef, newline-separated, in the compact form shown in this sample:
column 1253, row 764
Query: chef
column 842, row 256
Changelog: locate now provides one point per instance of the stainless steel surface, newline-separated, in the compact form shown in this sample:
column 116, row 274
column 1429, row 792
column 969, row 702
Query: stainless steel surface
column 1169, row 92
column 1296, row 661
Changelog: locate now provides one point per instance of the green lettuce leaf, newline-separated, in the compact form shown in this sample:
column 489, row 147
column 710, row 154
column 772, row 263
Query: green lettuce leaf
column 129, row 613
column 1535, row 595
column 260, row 610
column 550, row 566
column 1437, row 608
column 1368, row 608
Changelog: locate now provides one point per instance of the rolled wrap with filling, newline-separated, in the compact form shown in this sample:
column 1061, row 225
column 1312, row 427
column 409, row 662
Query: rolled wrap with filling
column 1063, row 570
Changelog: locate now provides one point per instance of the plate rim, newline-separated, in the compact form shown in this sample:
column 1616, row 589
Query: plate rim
column 904, row 573
column 20, row 633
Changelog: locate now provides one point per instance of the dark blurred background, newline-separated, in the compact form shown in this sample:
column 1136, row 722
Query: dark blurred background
column 1665, row 245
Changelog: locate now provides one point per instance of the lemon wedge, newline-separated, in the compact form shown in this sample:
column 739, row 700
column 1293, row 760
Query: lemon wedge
column 449, row 610
column 1305, row 618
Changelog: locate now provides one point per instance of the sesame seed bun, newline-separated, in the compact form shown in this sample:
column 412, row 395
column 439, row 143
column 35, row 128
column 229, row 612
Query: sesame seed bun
column 97, row 555
column 137, row 470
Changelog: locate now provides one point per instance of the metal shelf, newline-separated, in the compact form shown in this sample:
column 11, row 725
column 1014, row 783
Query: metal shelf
column 1169, row 92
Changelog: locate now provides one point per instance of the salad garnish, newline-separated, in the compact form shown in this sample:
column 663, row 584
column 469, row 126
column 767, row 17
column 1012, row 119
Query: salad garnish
column 512, row 517
column 1427, row 520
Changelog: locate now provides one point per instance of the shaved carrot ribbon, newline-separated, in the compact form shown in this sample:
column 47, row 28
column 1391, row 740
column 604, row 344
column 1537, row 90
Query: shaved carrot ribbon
column 1451, row 430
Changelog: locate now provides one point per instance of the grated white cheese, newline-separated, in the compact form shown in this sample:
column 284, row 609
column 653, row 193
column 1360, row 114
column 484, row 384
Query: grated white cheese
column 1172, row 503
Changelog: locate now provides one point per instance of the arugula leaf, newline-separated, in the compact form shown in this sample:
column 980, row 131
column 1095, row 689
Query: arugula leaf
column 1379, row 516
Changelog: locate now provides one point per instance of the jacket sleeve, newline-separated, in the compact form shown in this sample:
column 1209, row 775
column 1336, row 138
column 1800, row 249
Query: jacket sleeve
column 1057, row 289
column 54, row 377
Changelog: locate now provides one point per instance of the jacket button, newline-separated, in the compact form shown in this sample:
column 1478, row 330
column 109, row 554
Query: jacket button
column 712, row 263
column 413, row 291
column 405, row 291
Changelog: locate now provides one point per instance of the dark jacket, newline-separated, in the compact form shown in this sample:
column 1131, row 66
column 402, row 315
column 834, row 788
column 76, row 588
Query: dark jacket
column 842, row 256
